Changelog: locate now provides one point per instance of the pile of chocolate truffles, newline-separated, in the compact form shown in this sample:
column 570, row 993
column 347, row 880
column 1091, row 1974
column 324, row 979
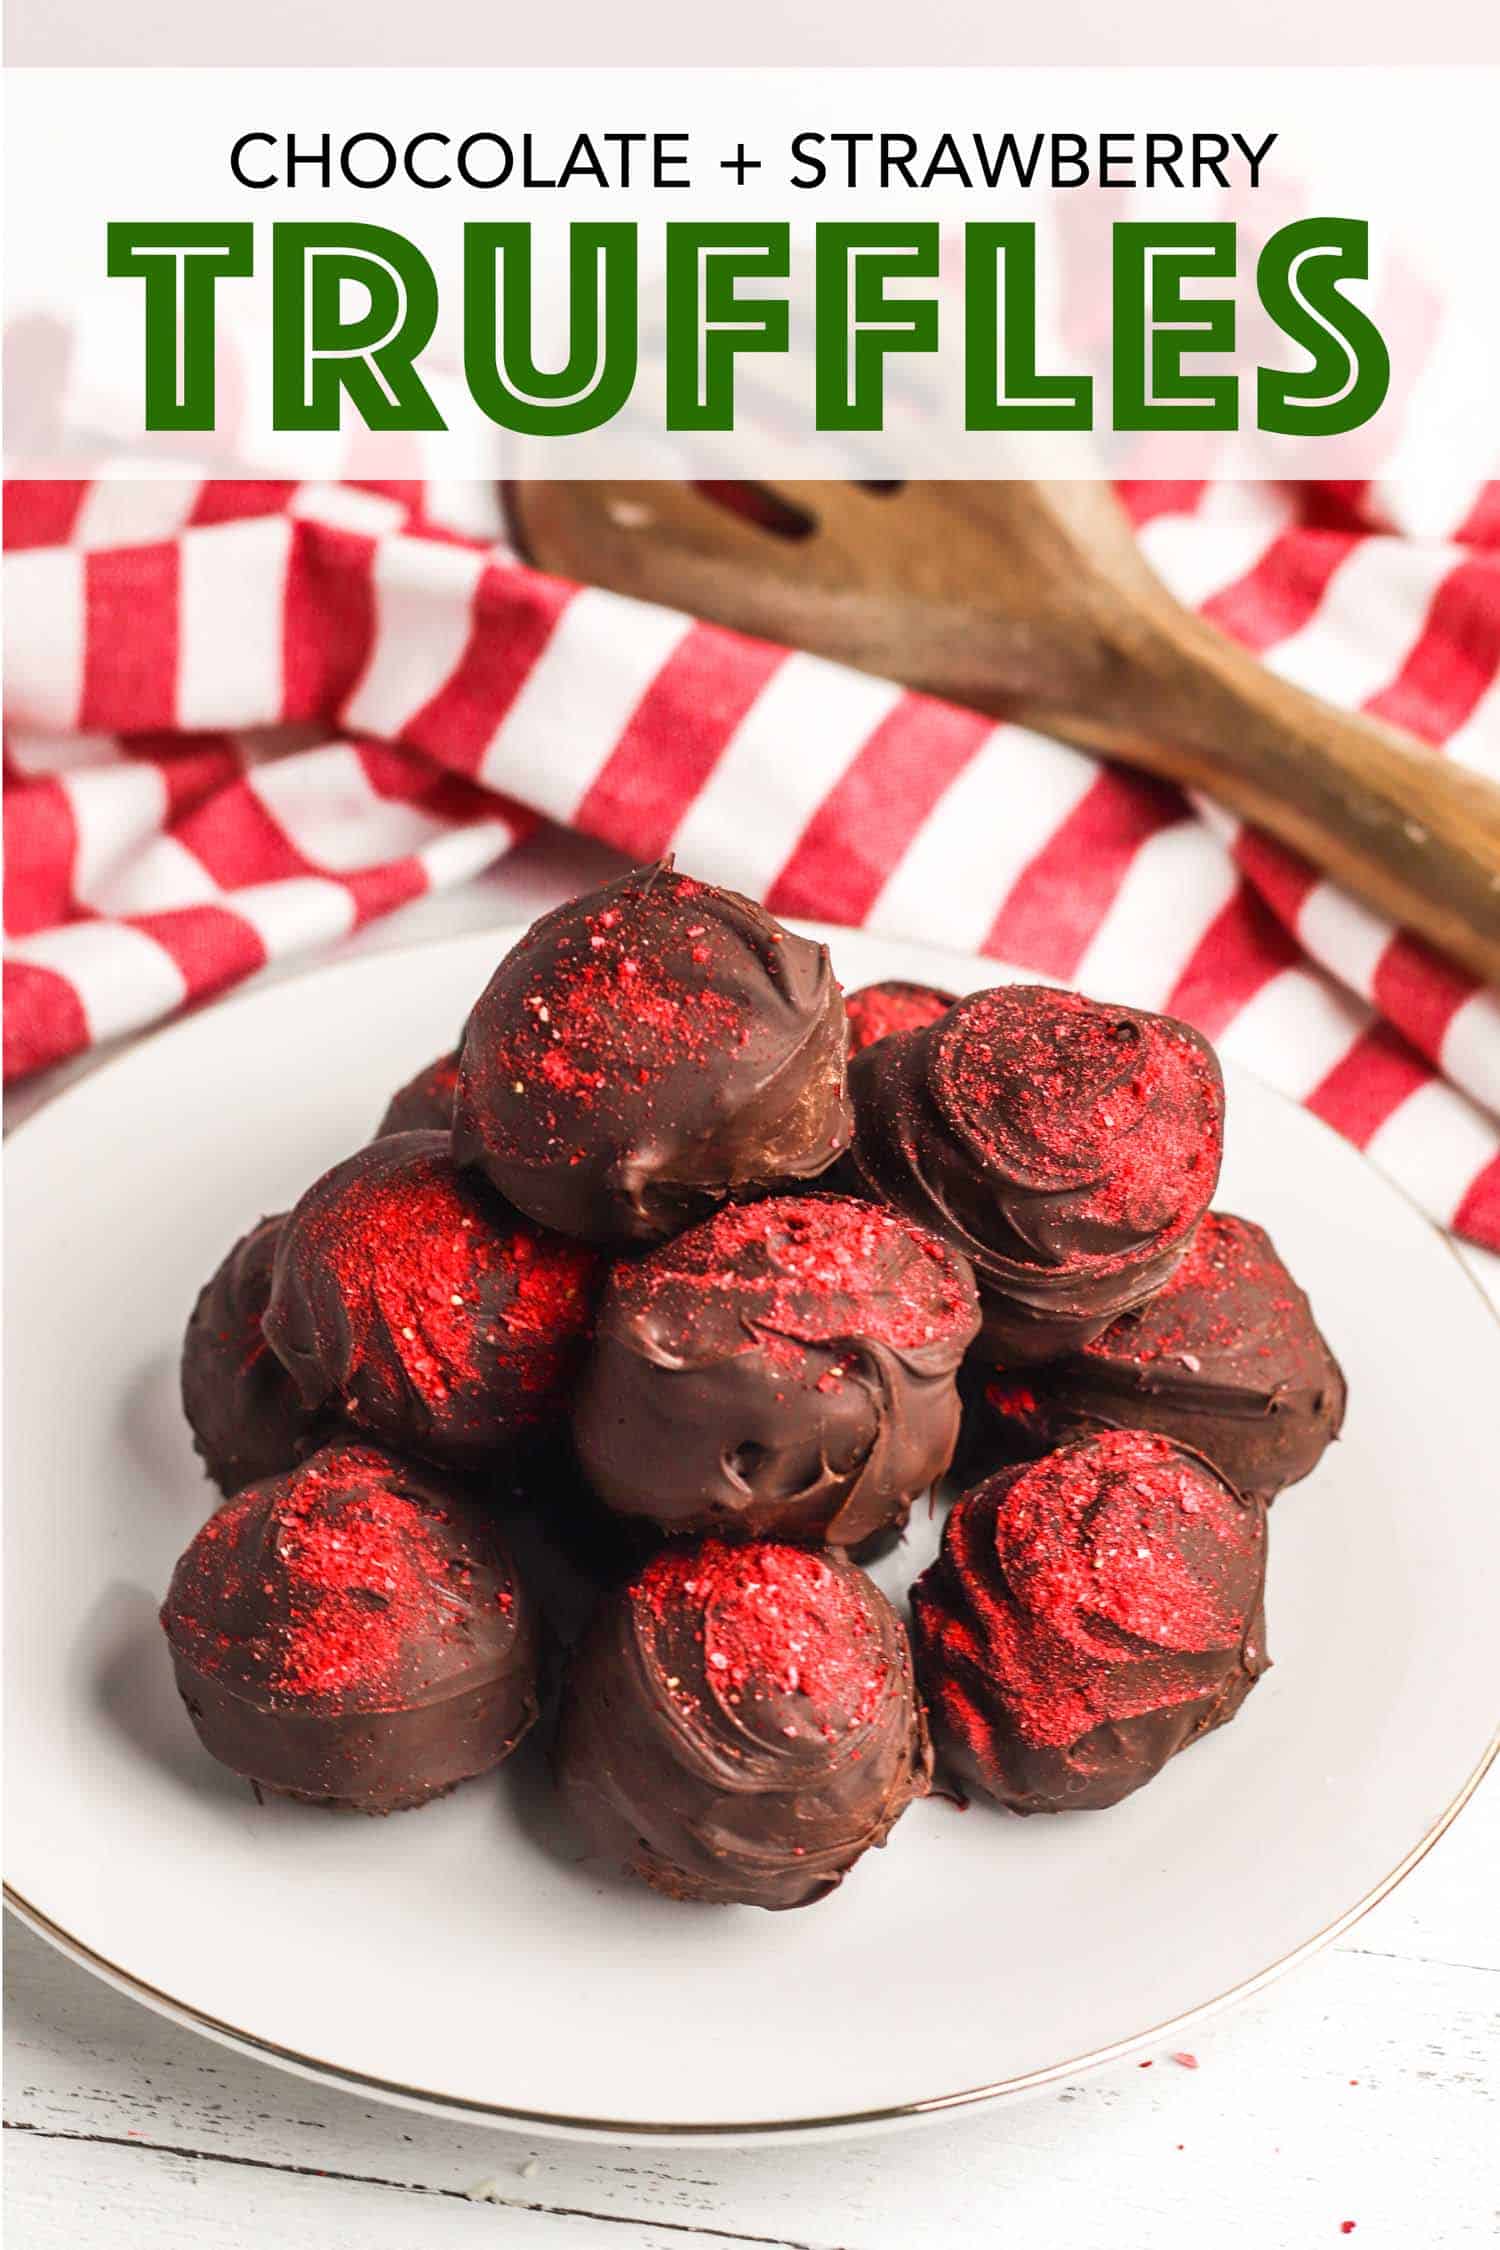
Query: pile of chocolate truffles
column 687, row 1274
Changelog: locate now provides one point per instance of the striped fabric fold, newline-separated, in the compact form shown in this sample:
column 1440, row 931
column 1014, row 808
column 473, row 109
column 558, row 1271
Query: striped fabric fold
column 243, row 719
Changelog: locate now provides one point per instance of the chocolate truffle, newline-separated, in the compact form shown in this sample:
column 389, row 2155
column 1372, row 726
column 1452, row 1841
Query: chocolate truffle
column 740, row 1724
column 1089, row 1615
column 784, row 1369
column 353, row 1633
column 647, row 1050
column 1227, row 1358
column 425, row 1103
column 246, row 1417
column 406, row 1293
column 876, row 1010
column 1068, row 1149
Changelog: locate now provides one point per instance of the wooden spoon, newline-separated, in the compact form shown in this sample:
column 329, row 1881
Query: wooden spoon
column 1033, row 601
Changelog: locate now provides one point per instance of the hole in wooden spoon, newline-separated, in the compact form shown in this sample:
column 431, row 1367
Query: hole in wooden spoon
column 753, row 503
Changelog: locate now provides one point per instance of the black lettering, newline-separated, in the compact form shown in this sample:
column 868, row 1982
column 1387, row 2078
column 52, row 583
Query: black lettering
column 1204, row 162
column 671, row 149
column 321, row 157
column 1163, row 154
column 1255, row 157
column 1009, row 153
column 583, row 162
column 802, row 147
column 945, row 163
column 896, row 153
column 387, row 150
column 1109, row 176
column 466, row 171
column 237, row 168
column 851, row 142
column 408, row 161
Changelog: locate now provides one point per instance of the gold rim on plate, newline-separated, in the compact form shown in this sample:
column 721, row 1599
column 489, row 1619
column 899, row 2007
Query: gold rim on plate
column 637, row 2129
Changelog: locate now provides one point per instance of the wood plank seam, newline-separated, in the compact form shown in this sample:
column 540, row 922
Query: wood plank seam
column 135, row 2145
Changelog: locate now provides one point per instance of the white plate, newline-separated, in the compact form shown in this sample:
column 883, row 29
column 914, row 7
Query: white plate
column 464, row 1958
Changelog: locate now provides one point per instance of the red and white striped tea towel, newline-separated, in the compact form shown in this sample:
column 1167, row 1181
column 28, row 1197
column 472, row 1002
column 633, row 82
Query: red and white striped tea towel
column 244, row 718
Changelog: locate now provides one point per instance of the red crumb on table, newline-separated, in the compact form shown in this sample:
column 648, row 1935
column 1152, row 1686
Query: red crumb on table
column 773, row 1621
column 1346, row 2226
column 1186, row 2061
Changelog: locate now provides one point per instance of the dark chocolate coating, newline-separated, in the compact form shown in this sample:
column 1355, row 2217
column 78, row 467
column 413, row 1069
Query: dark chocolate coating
column 1226, row 1358
column 1066, row 1148
column 242, row 1406
column 785, row 1369
column 569, row 1546
column 406, row 1293
column 876, row 1010
column 729, row 1782
column 645, row 1052
column 353, row 1634
column 425, row 1103
column 1090, row 1614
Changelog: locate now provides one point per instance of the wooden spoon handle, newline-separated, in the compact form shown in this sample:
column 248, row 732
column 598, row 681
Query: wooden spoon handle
column 1401, row 827
column 1034, row 601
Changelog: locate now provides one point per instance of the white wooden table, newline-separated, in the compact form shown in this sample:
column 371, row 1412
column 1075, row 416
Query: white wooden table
column 1362, row 2088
